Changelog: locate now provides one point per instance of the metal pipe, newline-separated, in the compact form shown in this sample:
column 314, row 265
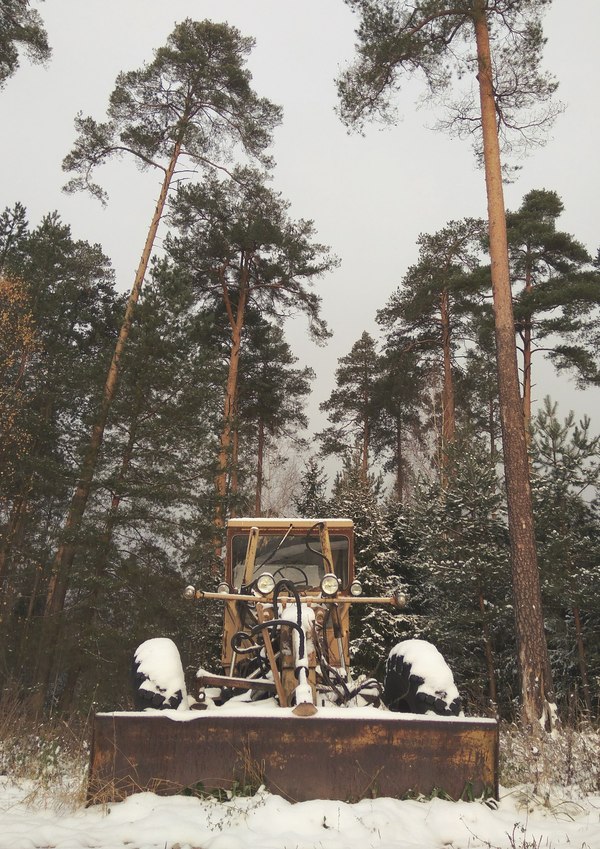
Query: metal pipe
column 308, row 599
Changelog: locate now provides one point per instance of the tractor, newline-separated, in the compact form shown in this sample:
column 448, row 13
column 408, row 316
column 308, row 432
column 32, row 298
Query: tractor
column 285, row 709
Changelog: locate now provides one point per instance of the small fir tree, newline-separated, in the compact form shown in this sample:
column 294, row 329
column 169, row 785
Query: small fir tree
column 310, row 500
column 566, row 464
column 374, row 630
column 459, row 557
column 351, row 407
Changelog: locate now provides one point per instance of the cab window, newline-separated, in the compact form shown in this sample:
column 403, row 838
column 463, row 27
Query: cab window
column 296, row 558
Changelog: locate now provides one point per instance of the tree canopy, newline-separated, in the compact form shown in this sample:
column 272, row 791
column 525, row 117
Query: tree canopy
column 435, row 39
column 195, row 96
column 21, row 28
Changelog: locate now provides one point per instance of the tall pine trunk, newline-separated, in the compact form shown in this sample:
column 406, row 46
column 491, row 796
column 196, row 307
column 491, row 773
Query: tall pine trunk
column 236, row 321
column 63, row 560
column 527, row 351
column 399, row 461
column 533, row 663
column 488, row 651
column 366, row 436
column 448, row 413
column 585, row 685
column 260, row 452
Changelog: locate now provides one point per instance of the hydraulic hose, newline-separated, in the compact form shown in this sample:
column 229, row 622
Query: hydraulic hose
column 246, row 636
column 240, row 636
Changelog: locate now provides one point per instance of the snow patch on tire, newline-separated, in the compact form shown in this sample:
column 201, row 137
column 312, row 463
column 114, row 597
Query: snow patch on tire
column 158, row 676
column 418, row 680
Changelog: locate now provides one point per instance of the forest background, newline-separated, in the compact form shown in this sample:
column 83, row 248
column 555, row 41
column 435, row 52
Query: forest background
column 149, row 526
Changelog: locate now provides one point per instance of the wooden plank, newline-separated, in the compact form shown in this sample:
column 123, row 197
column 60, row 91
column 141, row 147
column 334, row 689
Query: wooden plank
column 250, row 555
column 271, row 656
column 236, row 683
column 326, row 546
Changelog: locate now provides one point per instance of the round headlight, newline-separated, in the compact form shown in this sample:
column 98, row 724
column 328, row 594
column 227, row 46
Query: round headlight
column 223, row 587
column 265, row 584
column 356, row 588
column 330, row 584
column 189, row 592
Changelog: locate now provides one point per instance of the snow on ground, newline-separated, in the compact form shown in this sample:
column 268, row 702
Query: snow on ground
column 264, row 821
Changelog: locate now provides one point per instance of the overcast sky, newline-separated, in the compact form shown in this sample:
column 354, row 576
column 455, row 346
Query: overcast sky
column 370, row 197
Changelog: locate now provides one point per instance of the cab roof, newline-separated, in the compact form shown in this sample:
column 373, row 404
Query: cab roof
column 280, row 522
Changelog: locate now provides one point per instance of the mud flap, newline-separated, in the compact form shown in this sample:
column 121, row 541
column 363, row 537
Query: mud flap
column 299, row 758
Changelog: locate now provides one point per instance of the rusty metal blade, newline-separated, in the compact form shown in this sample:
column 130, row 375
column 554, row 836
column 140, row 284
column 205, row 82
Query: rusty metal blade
column 300, row 758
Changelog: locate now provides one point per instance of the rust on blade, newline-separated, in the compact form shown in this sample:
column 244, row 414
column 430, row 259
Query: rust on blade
column 300, row 758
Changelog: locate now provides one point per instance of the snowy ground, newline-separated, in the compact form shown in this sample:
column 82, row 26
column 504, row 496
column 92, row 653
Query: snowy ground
column 31, row 819
column 553, row 802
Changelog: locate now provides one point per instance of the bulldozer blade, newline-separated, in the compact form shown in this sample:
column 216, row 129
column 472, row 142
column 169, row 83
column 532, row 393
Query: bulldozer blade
column 299, row 758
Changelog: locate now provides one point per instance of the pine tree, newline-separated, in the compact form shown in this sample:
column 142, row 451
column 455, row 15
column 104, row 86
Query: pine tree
column 69, row 287
column 430, row 312
column 566, row 463
column 241, row 249
column 446, row 43
column 193, row 101
column 310, row 500
column 351, row 405
column 151, row 505
column 552, row 269
column 270, row 396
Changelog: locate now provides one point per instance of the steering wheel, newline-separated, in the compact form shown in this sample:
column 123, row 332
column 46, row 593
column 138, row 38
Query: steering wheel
column 283, row 569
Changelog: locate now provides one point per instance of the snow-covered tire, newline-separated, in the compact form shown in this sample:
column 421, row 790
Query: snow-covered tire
column 418, row 680
column 158, row 679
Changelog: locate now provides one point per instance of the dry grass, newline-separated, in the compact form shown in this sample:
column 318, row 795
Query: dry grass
column 567, row 758
column 49, row 758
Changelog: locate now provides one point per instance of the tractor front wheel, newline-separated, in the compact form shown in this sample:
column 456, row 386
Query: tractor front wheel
column 418, row 680
column 158, row 679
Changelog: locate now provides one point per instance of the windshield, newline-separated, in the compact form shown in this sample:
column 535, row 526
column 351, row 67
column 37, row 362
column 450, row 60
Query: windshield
column 291, row 559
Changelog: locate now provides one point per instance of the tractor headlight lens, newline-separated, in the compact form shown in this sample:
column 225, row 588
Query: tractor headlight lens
column 356, row 588
column 223, row 587
column 265, row 584
column 189, row 592
column 330, row 584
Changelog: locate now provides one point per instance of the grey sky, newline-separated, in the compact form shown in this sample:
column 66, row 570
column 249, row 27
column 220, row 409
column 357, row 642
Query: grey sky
column 370, row 197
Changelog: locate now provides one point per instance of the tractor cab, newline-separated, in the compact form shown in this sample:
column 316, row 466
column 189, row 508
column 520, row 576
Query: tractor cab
column 297, row 550
column 287, row 567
